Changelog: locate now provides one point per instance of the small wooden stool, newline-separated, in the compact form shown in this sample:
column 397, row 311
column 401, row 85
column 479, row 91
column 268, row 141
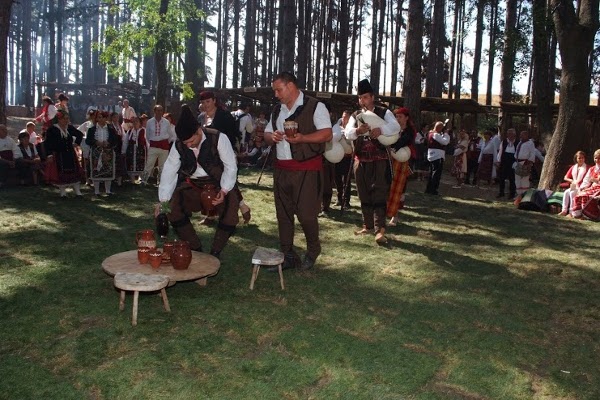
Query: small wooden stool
column 140, row 283
column 264, row 256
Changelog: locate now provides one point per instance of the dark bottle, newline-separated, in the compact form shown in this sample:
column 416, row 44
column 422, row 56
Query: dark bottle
column 162, row 225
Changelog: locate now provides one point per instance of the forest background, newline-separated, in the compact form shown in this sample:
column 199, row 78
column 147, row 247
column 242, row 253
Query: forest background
column 407, row 48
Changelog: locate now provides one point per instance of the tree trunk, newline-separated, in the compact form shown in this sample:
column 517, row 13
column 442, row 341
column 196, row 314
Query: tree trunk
column 224, row 44
column 434, row 75
column 492, row 50
column 411, row 88
column 249, row 65
column 543, row 98
column 5, row 7
column 288, row 27
column 52, row 36
column 398, row 23
column 453, row 49
column 60, row 25
column 342, row 78
column 219, row 40
column 236, row 43
column 114, row 22
column 160, row 57
column 26, row 81
column 575, row 31
column 508, row 56
column 478, row 48
column 191, row 69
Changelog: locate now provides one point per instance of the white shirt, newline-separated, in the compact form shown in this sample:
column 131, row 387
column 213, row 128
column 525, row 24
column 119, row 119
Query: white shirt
column 510, row 148
column 168, row 177
column 49, row 115
column 160, row 130
column 390, row 128
column 128, row 113
column 435, row 154
column 28, row 152
column 320, row 119
column 525, row 151
column 9, row 144
column 101, row 134
column 246, row 123
column 488, row 147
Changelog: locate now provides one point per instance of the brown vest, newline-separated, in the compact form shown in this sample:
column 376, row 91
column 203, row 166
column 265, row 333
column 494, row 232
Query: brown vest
column 208, row 158
column 367, row 149
column 304, row 117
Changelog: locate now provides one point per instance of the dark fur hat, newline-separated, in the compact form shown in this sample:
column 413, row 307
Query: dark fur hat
column 364, row 86
column 187, row 125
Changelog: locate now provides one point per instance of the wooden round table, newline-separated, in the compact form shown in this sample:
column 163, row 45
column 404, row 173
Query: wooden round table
column 202, row 267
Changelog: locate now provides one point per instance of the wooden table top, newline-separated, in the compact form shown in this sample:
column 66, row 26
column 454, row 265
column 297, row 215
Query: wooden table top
column 202, row 266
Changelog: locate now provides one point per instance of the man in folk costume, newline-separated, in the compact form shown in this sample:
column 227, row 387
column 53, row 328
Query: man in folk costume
column 128, row 114
column 372, row 167
column 9, row 153
column 217, row 117
column 159, row 134
column 199, row 158
column 342, row 169
column 505, row 161
column 437, row 140
column 524, row 159
column 297, row 177
column 473, row 152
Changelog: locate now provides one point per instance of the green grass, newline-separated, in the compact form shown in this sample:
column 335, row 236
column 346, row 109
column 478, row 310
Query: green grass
column 469, row 300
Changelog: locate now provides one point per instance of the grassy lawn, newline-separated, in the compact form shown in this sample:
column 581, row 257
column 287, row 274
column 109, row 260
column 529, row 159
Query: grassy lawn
column 470, row 299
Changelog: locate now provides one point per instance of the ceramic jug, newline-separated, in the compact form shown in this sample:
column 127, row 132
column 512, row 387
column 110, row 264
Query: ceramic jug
column 145, row 238
column 209, row 193
column 181, row 255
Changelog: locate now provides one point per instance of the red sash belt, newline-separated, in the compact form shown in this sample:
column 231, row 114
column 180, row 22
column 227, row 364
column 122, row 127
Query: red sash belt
column 160, row 144
column 313, row 164
column 370, row 158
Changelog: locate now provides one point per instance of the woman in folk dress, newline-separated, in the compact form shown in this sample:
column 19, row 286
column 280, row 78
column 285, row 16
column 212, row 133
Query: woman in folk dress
column 60, row 150
column 586, row 202
column 574, row 177
column 135, row 149
column 102, row 140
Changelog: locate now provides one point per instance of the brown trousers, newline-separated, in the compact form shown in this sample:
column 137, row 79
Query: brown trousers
column 328, row 181
column 298, row 193
column 186, row 200
column 373, row 181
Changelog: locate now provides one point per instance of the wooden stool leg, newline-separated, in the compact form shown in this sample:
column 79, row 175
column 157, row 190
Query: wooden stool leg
column 255, row 269
column 281, row 277
column 135, row 307
column 163, row 293
column 122, row 301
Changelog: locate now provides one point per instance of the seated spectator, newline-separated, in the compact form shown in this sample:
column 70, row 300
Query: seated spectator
column 265, row 152
column 9, row 153
column 574, row 178
column 251, row 155
column 29, row 164
column 34, row 138
column 589, row 192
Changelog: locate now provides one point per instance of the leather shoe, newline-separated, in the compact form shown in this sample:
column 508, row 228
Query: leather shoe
column 289, row 262
column 307, row 264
